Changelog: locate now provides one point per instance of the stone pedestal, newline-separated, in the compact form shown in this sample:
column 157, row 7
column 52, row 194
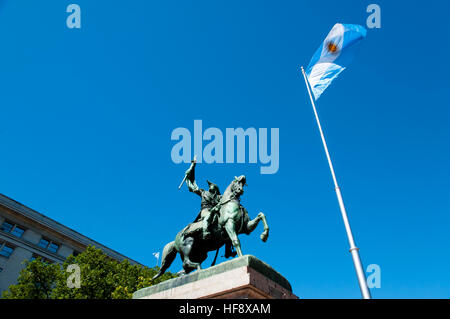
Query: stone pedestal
column 245, row 277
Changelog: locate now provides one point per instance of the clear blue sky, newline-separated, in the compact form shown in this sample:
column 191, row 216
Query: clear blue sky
column 86, row 119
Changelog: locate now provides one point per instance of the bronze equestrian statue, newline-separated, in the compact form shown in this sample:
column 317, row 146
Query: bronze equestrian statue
column 221, row 219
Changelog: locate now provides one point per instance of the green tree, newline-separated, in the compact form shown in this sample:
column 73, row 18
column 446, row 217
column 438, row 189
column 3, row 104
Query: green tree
column 36, row 281
column 100, row 278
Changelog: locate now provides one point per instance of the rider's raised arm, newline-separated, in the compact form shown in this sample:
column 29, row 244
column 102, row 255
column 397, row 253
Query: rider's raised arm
column 192, row 186
column 190, row 180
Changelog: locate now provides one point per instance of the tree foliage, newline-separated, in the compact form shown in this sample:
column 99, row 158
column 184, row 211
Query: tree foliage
column 100, row 278
column 36, row 281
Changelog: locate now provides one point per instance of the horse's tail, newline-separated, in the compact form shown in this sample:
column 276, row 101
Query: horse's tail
column 168, row 256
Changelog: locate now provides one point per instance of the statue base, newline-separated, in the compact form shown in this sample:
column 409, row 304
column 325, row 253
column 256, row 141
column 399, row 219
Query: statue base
column 245, row 277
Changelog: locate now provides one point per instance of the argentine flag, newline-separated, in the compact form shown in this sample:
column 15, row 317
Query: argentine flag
column 332, row 57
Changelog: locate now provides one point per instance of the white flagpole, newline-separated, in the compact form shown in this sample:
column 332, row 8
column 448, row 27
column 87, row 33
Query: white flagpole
column 353, row 249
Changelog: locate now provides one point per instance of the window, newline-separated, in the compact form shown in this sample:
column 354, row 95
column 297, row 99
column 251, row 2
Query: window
column 48, row 244
column 12, row 228
column 43, row 243
column 6, row 227
column 18, row 231
column 53, row 247
column 6, row 250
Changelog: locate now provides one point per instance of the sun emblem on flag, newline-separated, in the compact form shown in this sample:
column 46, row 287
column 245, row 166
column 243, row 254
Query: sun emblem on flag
column 332, row 47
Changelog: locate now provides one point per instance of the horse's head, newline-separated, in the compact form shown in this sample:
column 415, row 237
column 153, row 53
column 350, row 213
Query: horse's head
column 235, row 189
column 237, row 186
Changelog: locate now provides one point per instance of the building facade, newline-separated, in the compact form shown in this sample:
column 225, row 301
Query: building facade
column 26, row 234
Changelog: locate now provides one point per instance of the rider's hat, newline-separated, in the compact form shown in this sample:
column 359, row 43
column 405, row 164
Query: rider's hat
column 212, row 184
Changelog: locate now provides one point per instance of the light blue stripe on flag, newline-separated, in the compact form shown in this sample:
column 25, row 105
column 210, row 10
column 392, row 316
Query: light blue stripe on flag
column 333, row 56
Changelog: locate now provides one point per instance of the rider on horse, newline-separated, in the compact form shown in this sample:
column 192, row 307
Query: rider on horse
column 232, row 220
column 209, row 199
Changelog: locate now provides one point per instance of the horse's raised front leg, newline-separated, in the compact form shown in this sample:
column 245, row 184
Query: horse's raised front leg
column 265, row 233
column 251, row 225
column 231, row 231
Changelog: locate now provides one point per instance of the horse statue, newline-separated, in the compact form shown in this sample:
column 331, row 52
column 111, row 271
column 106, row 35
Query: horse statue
column 230, row 220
